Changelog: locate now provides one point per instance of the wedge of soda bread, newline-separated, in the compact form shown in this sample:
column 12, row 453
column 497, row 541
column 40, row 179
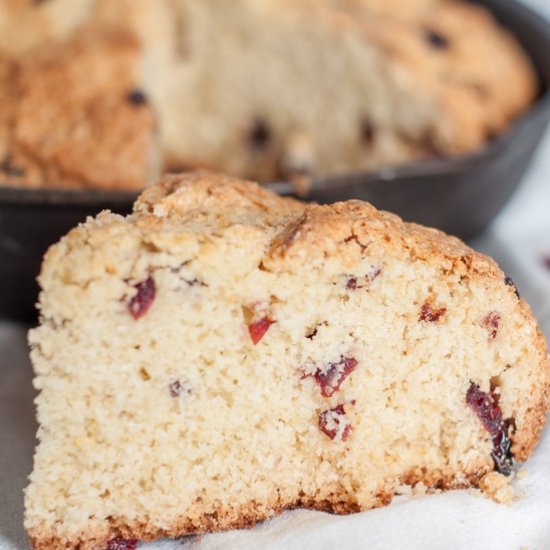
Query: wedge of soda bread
column 223, row 354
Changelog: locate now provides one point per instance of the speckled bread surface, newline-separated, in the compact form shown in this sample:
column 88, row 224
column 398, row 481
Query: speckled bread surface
column 279, row 88
column 223, row 354
column 73, row 116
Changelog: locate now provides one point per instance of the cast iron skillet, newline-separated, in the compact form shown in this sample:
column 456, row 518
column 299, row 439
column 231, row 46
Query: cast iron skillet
column 459, row 195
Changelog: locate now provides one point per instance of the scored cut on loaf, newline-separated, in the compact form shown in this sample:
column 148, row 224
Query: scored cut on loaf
column 224, row 353
column 286, row 89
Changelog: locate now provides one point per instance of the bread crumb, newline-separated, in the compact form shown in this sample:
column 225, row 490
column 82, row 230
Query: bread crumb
column 419, row 489
column 412, row 491
column 405, row 490
column 497, row 487
column 522, row 472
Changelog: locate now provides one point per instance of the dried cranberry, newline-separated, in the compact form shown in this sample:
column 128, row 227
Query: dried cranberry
column 546, row 261
column 334, row 374
column 427, row 313
column 375, row 273
column 122, row 544
column 351, row 283
column 354, row 283
column 259, row 328
column 177, row 387
column 491, row 321
column 485, row 405
column 334, row 422
column 142, row 301
column 436, row 39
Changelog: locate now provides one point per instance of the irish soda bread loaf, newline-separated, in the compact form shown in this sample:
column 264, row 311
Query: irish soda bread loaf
column 280, row 88
column 223, row 354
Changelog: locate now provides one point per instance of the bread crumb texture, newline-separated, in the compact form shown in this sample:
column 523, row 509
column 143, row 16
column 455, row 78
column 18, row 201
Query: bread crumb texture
column 497, row 487
column 223, row 354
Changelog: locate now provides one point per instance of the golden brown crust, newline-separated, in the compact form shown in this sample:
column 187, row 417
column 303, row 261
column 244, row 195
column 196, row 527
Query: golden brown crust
column 246, row 516
column 72, row 121
column 527, row 434
column 224, row 197
column 351, row 227
column 310, row 228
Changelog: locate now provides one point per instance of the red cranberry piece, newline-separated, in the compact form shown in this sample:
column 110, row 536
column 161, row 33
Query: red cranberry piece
column 375, row 273
column 485, row 405
column 139, row 305
column 334, row 423
column 122, row 544
column 334, row 374
column 428, row 313
column 176, row 388
column 355, row 283
column 546, row 261
column 259, row 328
column 491, row 321
column 351, row 283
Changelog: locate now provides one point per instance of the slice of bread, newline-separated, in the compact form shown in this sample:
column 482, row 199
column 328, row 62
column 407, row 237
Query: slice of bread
column 285, row 89
column 224, row 353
